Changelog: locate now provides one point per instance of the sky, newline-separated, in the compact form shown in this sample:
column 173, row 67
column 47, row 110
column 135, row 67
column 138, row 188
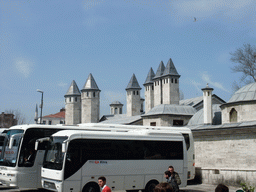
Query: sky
column 46, row 44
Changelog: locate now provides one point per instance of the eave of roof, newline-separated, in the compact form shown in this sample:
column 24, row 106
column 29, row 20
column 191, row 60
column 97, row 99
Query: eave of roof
column 56, row 115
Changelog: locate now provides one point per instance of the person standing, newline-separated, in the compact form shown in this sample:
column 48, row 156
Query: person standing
column 174, row 179
column 102, row 183
column 170, row 181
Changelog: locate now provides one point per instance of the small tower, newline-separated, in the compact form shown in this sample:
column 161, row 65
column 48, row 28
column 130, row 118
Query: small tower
column 158, row 95
column 73, row 105
column 170, row 84
column 207, row 95
column 90, row 101
column 116, row 108
column 149, row 90
column 133, row 97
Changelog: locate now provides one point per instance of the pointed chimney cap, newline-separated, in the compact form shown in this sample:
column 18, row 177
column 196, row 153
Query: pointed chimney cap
column 160, row 70
column 133, row 84
column 73, row 90
column 207, row 88
column 90, row 84
column 149, row 79
column 170, row 69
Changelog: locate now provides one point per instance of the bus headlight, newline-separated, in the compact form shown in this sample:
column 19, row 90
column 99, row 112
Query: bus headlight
column 49, row 185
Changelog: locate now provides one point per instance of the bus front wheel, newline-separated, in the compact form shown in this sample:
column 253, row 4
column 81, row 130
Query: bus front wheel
column 91, row 187
column 151, row 186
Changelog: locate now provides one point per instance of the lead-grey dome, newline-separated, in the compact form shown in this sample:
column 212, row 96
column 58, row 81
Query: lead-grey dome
column 246, row 93
column 198, row 118
column 171, row 109
column 116, row 103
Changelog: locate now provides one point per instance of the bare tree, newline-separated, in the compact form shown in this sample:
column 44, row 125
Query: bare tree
column 181, row 95
column 244, row 59
column 18, row 116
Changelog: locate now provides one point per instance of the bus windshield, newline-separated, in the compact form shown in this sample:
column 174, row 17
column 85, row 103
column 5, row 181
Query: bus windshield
column 8, row 156
column 53, row 158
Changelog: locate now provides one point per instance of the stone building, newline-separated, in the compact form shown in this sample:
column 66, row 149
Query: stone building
column 73, row 105
column 90, row 104
column 84, row 106
column 134, row 106
column 224, row 133
column 133, row 97
column 241, row 106
column 7, row 120
column 225, row 143
column 53, row 119
column 116, row 108
column 163, row 106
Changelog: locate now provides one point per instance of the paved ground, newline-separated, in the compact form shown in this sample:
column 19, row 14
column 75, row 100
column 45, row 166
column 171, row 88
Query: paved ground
column 189, row 188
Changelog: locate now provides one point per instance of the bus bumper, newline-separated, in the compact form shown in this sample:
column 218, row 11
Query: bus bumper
column 8, row 179
column 52, row 185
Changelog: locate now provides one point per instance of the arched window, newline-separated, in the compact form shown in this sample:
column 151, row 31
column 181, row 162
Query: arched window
column 233, row 115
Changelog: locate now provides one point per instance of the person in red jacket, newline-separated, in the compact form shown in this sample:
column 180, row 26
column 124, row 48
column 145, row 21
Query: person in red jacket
column 102, row 183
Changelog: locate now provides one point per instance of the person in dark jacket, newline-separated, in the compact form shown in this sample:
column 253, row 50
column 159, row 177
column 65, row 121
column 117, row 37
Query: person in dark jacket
column 174, row 179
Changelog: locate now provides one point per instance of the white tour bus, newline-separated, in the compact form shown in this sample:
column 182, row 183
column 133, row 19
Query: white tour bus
column 20, row 164
column 129, row 159
column 186, row 132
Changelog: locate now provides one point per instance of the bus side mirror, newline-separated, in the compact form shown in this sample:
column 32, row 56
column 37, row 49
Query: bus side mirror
column 36, row 145
column 41, row 141
column 63, row 148
column 11, row 142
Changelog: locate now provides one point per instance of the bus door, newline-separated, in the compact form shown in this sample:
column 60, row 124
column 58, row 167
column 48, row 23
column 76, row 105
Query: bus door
column 11, row 150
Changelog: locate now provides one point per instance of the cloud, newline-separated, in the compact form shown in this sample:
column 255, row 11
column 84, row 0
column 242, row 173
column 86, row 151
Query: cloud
column 206, row 8
column 92, row 21
column 206, row 78
column 196, row 85
column 88, row 4
column 24, row 66
column 62, row 84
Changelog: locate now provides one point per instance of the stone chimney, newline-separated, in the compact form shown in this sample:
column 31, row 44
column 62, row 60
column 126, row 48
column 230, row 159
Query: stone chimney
column 207, row 96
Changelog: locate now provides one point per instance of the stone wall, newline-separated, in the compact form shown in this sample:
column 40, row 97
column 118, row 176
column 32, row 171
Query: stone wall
column 226, row 155
column 245, row 112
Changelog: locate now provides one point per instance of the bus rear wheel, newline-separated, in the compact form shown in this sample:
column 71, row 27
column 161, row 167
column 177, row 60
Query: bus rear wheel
column 151, row 186
column 91, row 187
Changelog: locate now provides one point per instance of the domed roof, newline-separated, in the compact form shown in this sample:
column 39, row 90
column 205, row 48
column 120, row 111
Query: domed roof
column 116, row 103
column 171, row 109
column 246, row 93
column 198, row 118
